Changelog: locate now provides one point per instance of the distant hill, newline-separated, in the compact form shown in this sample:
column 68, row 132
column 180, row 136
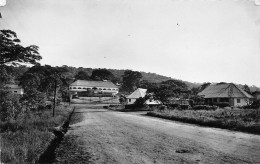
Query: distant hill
column 151, row 77
column 118, row 73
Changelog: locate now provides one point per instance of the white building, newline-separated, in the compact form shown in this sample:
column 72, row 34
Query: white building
column 140, row 92
column 14, row 88
column 225, row 92
column 97, row 86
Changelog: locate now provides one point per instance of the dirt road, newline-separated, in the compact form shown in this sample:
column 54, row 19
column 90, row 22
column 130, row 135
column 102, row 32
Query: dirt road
column 114, row 137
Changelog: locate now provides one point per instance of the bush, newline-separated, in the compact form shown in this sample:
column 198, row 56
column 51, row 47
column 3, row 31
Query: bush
column 222, row 104
column 255, row 105
column 174, row 105
column 204, row 107
column 140, row 102
column 184, row 107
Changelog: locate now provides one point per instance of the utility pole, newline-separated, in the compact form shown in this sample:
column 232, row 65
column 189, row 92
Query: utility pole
column 54, row 98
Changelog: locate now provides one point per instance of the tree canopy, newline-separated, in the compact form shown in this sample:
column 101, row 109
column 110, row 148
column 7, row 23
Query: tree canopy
column 82, row 75
column 131, row 80
column 102, row 74
column 13, row 53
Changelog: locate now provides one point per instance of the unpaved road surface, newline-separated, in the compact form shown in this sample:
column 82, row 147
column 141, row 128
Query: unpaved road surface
column 105, row 136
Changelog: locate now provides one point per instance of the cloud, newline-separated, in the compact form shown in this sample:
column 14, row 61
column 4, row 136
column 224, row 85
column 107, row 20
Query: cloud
column 2, row 2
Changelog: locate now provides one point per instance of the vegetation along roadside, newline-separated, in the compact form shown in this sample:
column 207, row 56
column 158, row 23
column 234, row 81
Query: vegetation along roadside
column 246, row 120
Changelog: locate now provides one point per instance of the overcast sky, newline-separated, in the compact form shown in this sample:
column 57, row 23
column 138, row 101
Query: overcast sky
column 197, row 41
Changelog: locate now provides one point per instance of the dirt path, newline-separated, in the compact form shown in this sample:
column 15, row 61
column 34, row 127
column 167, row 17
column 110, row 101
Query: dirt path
column 113, row 137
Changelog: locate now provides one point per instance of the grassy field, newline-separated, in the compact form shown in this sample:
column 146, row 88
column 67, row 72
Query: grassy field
column 246, row 120
column 25, row 139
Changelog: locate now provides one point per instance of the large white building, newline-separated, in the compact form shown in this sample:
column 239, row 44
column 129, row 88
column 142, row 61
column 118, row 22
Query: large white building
column 97, row 86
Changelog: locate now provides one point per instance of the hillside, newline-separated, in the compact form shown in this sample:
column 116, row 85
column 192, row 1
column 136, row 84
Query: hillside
column 118, row 73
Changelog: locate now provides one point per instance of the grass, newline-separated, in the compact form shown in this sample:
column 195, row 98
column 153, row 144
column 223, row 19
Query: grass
column 246, row 120
column 23, row 140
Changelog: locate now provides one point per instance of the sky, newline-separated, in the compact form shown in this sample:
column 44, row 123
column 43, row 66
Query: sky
column 191, row 40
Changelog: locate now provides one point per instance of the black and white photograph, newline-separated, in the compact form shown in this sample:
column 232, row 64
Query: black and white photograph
column 130, row 81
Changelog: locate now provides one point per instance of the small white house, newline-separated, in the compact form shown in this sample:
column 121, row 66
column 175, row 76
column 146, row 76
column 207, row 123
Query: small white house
column 16, row 89
column 140, row 92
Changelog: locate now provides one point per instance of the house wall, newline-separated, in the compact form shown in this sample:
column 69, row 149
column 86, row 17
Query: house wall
column 17, row 90
column 131, row 101
column 232, row 101
column 243, row 101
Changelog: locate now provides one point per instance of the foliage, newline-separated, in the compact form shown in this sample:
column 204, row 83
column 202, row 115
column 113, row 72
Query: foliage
column 221, row 104
column 246, row 89
column 82, row 75
column 204, row 86
column 254, row 105
column 10, row 106
column 184, row 106
column 168, row 89
column 236, row 119
column 204, row 107
column 102, row 74
column 12, row 52
column 33, row 99
column 4, row 76
column 140, row 102
column 24, row 139
column 131, row 80
column 122, row 99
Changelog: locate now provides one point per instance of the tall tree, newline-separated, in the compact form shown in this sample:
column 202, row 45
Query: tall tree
column 12, row 52
column 82, row 75
column 170, row 88
column 102, row 74
column 247, row 89
column 131, row 80
column 204, row 86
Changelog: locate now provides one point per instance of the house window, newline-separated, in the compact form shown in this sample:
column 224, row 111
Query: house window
column 238, row 100
column 15, row 91
column 70, row 88
column 79, row 87
column 129, row 100
column 74, row 88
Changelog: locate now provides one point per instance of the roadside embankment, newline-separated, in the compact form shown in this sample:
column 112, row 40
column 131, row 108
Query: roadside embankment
column 24, row 140
column 245, row 120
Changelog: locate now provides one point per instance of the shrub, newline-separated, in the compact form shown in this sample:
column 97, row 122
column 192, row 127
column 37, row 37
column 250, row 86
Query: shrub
column 254, row 105
column 140, row 102
column 204, row 107
column 184, row 107
column 222, row 104
column 174, row 105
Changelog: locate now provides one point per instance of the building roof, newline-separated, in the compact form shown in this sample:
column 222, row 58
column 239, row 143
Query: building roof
column 140, row 92
column 86, row 83
column 224, row 90
column 13, row 86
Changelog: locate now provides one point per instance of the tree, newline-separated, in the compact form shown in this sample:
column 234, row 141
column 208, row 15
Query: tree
column 204, row 86
column 131, row 80
column 82, row 75
column 247, row 89
column 102, row 74
column 45, row 79
column 12, row 52
column 168, row 89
